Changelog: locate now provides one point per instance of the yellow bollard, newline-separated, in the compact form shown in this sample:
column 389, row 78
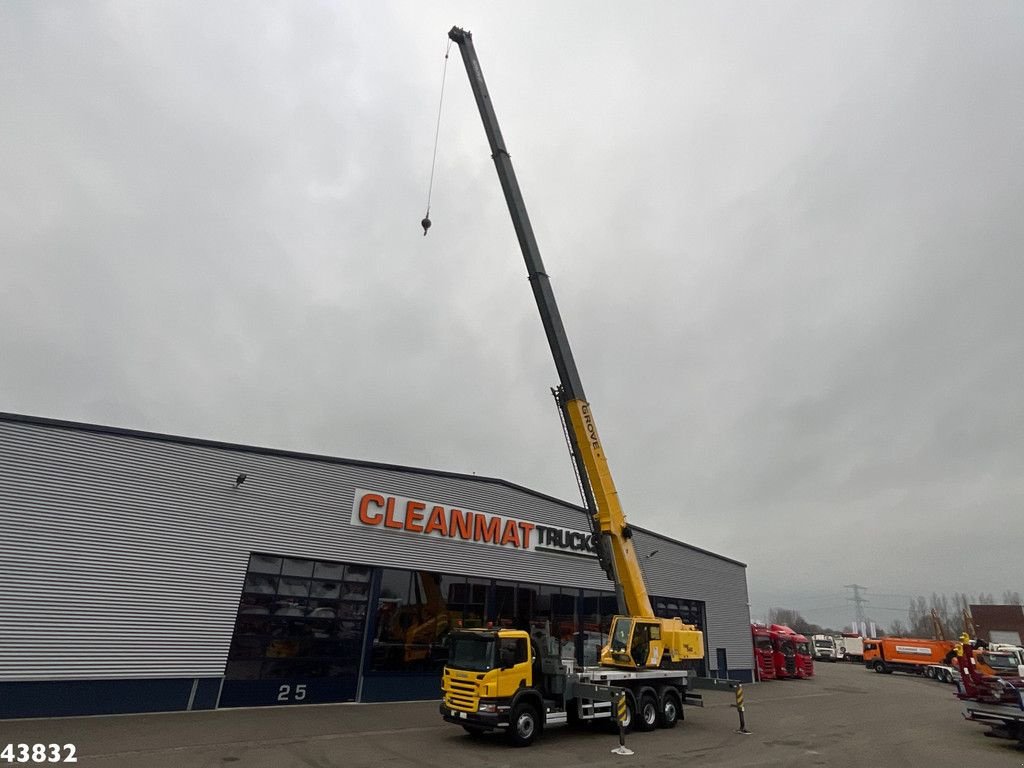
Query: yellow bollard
column 620, row 708
column 739, row 708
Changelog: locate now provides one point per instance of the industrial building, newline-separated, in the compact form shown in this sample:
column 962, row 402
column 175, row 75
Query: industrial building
column 148, row 572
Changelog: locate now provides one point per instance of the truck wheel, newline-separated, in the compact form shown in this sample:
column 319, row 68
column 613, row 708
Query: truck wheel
column 647, row 711
column 523, row 726
column 878, row 666
column 668, row 714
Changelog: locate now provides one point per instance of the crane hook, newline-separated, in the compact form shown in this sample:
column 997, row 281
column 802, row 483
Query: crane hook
column 426, row 225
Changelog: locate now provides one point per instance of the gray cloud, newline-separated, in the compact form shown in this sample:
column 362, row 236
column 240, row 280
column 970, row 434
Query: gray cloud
column 785, row 241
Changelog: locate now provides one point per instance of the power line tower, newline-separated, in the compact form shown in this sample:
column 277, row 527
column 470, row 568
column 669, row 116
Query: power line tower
column 858, row 601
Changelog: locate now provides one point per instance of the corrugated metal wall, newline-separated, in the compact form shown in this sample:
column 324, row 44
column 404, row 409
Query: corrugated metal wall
column 123, row 556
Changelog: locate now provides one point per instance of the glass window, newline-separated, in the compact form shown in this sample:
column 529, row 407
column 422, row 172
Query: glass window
column 593, row 627
column 293, row 567
column 351, row 591
column 263, row 585
column 289, row 626
column 264, row 564
column 511, row 651
column 256, row 604
column 322, row 609
column 329, row 571
column 357, row 573
column 328, row 590
column 504, row 613
column 289, row 607
column 293, row 587
column 243, row 670
column 415, row 614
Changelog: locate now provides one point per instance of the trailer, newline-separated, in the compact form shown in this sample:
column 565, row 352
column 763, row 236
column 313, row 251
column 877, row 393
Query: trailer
column 1004, row 721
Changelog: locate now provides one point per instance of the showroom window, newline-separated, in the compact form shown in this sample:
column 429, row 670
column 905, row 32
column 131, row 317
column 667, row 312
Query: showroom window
column 299, row 618
column 416, row 611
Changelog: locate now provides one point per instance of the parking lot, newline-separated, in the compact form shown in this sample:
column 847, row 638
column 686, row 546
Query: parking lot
column 845, row 716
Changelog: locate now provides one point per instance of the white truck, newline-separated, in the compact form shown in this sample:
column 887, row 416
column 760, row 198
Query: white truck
column 852, row 647
column 823, row 648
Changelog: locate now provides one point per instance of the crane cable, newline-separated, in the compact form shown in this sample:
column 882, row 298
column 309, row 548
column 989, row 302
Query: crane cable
column 437, row 131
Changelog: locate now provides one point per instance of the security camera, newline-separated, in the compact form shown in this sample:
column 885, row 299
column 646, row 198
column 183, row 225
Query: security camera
column 239, row 480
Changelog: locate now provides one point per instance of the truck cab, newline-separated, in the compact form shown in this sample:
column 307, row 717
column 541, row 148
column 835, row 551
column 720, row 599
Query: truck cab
column 491, row 677
column 824, row 648
column 783, row 650
column 763, row 652
column 804, row 659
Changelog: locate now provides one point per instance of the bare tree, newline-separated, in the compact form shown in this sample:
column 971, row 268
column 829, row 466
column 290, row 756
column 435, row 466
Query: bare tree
column 919, row 618
column 898, row 628
column 794, row 620
column 1012, row 598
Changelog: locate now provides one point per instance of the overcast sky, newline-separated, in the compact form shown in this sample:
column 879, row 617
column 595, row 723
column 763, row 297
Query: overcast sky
column 786, row 239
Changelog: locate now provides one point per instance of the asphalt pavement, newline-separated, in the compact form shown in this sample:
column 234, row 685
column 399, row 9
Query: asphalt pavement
column 844, row 716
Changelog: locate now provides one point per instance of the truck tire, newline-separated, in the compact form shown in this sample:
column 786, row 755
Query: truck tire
column 524, row 725
column 647, row 710
column 879, row 666
column 670, row 710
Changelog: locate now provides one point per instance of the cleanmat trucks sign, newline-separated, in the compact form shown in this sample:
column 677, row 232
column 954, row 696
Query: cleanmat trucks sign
column 417, row 517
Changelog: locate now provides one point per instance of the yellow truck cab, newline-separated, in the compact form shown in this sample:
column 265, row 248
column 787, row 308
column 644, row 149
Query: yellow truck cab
column 489, row 683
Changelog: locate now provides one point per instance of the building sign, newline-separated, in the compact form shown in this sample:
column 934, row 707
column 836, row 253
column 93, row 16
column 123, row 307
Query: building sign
column 386, row 512
column 913, row 650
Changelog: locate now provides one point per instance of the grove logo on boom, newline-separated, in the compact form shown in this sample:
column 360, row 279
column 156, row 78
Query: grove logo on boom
column 401, row 515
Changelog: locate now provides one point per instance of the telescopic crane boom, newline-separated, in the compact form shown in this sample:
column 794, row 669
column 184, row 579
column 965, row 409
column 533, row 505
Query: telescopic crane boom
column 608, row 522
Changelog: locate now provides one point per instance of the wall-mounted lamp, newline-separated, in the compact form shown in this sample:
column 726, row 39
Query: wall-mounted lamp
column 239, row 480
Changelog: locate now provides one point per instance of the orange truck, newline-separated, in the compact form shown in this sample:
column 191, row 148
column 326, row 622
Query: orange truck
column 906, row 654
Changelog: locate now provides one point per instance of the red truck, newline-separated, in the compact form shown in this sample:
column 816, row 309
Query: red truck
column 763, row 651
column 804, row 657
column 791, row 653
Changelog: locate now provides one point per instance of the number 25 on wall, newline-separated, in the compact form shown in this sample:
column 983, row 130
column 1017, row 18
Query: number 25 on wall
column 284, row 693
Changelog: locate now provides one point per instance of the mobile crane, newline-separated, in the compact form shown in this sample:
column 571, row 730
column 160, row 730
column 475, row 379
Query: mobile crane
column 494, row 679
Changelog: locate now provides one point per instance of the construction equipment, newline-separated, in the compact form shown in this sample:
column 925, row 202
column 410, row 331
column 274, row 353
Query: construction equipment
column 494, row 680
column 994, row 700
column 905, row 654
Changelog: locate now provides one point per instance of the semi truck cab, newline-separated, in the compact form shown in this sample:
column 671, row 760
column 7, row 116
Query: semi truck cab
column 489, row 672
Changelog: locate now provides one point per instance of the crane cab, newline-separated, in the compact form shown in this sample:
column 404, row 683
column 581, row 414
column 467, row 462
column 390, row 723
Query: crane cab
column 642, row 643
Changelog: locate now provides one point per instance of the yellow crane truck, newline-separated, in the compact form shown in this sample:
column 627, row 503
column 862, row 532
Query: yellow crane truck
column 497, row 679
